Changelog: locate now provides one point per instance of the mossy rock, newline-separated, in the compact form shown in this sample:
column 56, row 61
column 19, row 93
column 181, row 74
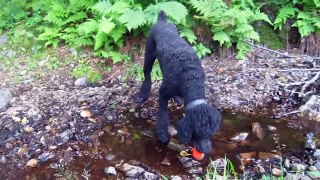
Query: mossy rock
column 268, row 36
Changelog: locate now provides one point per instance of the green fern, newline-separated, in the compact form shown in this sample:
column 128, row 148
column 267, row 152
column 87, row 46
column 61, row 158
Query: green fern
column 284, row 14
column 189, row 35
column 175, row 10
column 132, row 19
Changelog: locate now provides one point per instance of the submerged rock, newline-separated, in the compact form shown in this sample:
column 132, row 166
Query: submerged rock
column 174, row 145
column 176, row 178
column 188, row 162
column 218, row 163
column 148, row 133
column 110, row 170
column 240, row 137
column 257, row 131
column 297, row 167
column 310, row 143
column 137, row 172
column 195, row 170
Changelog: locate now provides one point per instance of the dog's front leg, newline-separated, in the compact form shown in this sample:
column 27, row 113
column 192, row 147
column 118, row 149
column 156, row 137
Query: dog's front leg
column 163, row 121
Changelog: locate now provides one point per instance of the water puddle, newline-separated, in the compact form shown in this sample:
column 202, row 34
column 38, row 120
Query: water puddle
column 127, row 143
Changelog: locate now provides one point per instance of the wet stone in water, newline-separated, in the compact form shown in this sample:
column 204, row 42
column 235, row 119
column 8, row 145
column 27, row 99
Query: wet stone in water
column 297, row 167
column 316, row 153
column 188, row 162
column 174, row 145
column 240, row 137
column 110, row 171
column 276, row 172
column 176, row 178
column 271, row 128
column 257, row 131
column 218, row 163
column 148, row 133
column 195, row 170
column 166, row 161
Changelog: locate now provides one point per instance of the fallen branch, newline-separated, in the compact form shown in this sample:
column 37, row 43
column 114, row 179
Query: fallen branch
column 307, row 84
column 270, row 50
column 282, row 70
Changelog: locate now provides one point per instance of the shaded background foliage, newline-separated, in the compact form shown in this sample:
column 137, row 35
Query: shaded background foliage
column 104, row 25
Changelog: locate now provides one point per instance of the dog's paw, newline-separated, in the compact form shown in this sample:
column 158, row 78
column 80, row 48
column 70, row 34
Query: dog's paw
column 163, row 137
column 139, row 99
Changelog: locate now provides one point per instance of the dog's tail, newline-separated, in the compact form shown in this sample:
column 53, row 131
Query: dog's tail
column 162, row 16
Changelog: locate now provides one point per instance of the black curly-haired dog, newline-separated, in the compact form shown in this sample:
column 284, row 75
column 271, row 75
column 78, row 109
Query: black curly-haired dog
column 183, row 76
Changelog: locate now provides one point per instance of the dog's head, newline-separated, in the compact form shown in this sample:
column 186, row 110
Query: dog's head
column 199, row 125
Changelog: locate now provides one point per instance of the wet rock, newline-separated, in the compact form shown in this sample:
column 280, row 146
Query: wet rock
column 218, row 163
column 166, row 161
column 174, row 145
column 22, row 150
column 297, row 167
column 272, row 128
column 148, row 133
column 291, row 176
column 316, row 153
column 310, row 143
column 311, row 108
column 123, row 132
column 260, row 169
column 176, row 178
column 64, row 137
column 248, row 157
column 240, row 137
column 32, row 163
column 110, row 157
column 268, row 156
column 46, row 156
column 276, row 172
column 317, row 165
column 172, row 131
column 195, row 170
column 5, row 96
column 188, row 162
column 257, row 131
column 81, row 82
column 312, row 168
column 287, row 163
column 110, row 171
column 3, row 160
column 137, row 172
column 8, row 145
column 305, row 178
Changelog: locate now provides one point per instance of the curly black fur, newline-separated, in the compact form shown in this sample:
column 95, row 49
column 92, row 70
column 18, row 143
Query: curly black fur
column 183, row 76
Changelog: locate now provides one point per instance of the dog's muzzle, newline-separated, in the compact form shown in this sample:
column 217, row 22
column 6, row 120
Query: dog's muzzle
column 195, row 103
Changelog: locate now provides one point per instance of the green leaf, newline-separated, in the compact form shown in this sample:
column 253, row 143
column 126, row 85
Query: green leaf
column 117, row 33
column 133, row 19
column 189, row 35
column 175, row 10
column 223, row 38
column 102, row 7
column 303, row 15
column 106, row 25
column 100, row 39
column 89, row 27
column 284, row 14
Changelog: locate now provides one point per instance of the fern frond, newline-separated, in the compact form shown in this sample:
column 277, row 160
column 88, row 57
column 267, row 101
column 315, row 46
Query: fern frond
column 316, row 22
column 206, row 7
column 54, row 19
column 223, row 38
column 175, row 10
column 189, row 35
column 106, row 25
column 89, row 27
column 304, row 27
column 132, row 19
column 120, row 7
column 102, row 7
column 261, row 16
column 151, row 13
column 284, row 14
column 100, row 39
column 76, row 17
column 117, row 33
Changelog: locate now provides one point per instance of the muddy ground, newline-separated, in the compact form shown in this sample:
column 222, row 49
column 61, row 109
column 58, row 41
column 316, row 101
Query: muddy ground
column 51, row 118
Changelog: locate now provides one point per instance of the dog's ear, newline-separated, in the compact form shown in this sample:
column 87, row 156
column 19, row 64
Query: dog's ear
column 207, row 123
column 185, row 130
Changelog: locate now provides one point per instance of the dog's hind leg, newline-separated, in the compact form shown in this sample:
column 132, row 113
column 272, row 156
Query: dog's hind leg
column 150, row 56
column 163, row 121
